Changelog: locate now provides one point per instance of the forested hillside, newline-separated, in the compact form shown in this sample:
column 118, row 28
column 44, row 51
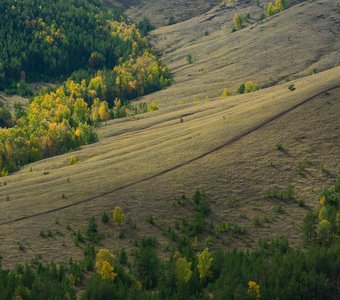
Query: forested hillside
column 169, row 149
column 111, row 63
column 47, row 39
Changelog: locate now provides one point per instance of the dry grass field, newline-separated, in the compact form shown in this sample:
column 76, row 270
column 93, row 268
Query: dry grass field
column 9, row 101
column 286, row 46
column 227, row 147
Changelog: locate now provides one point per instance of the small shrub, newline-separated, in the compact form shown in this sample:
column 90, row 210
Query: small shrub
column 250, row 87
column 74, row 160
column 241, row 89
column 272, row 193
column 153, row 106
column 171, row 234
column 292, row 87
column 256, row 221
column 92, row 230
column 190, row 59
column 301, row 203
column 208, row 241
column 123, row 257
column 21, row 246
column 288, row 194
column 151, row 220
column 182, row 201
column 281, row 148
column 225, row 93
column 79, row 237
column 171, row 20
column 121, row 234
column 150, row 242
column 105, row 217
column 238, row 230
column 278, row 209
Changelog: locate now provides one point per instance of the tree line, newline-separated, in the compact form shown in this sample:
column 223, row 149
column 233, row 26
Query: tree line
column 274, row 270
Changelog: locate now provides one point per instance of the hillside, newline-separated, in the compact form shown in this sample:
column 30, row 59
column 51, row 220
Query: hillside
column 262, row 159
column 266, row 52
column 238, row 161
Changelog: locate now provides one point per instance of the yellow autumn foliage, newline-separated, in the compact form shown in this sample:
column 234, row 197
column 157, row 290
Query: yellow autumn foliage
column 107, row 271
column 205, row 260
column 254, row 290
column 183, row 270
column 118, row 215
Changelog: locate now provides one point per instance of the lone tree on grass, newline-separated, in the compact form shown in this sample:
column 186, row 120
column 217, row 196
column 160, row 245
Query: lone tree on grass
column 118, row 216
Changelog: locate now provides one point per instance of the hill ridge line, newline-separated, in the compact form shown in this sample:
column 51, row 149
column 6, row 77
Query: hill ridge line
column 217, row 148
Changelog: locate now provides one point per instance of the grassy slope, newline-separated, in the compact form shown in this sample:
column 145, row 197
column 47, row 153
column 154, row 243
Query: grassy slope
column 267, row 52
column 226, row 147
column 9, row 101
column 136, row 151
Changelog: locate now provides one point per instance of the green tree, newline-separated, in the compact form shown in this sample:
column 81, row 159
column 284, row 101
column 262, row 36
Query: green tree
column 241, row 89
column 183, row 270
column 238, row 21
column 309, row 228
column 324, row 230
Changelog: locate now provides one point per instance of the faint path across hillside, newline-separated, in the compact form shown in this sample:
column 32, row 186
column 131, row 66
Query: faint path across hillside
column 227, row 143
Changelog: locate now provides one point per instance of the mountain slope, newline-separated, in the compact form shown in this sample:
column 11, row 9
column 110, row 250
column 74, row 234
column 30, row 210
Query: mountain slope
column 226, row 147
column 234, row 148
column 274, row 50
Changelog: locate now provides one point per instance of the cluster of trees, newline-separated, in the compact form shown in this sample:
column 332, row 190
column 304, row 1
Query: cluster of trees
column 137, row 76
column 240, row 21
column 247, row 87
column 276, row 7
column 54, row 123
column 273, row 271
column 322, row 227
column 59, row 121
column 52, row 38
